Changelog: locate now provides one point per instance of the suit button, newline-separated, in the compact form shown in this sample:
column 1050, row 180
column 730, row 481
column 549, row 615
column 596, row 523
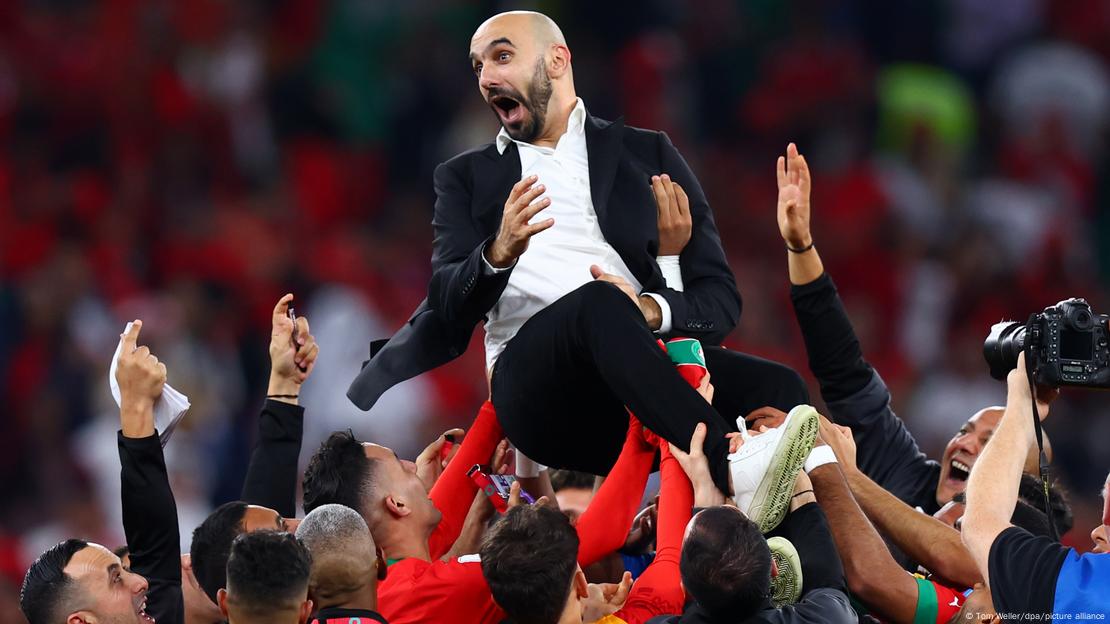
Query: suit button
column 709, row 324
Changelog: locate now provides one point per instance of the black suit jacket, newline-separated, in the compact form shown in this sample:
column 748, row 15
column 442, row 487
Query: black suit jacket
column 471, row 190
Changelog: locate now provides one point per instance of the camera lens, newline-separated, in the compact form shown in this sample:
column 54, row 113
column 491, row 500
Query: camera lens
column 1002, row 346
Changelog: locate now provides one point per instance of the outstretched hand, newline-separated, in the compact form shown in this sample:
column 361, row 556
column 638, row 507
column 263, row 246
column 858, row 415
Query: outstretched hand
column 793, row 205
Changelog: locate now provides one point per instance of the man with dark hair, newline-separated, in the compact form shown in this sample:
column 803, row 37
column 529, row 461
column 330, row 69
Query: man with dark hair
column 76, row 582
column 346, row 565
column 726, row 564
column 530, row 560
column 416, row 528
column 268, row 499
column 267, row 580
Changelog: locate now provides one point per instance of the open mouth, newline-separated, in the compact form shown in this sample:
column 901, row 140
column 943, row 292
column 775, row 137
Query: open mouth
column 509, row 110
column 959, row 471
column 143, row 614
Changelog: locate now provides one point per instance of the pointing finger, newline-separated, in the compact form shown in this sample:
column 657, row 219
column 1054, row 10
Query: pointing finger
column 131, row 338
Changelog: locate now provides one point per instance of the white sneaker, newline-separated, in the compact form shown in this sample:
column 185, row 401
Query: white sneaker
column 764, row 469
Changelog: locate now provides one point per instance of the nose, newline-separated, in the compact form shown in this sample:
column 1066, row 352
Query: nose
column 138, row 583
column 487, row 78
column 1098, row 536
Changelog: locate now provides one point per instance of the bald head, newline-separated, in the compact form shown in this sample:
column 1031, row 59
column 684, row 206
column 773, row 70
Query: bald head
column 344, row 559
column 542, row 29
column 523, row 68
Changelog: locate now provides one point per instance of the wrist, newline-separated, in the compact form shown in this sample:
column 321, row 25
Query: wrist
column 137, row 420
column 652, row 313
column 497, row 257
column 282, row 385
column 799, row 241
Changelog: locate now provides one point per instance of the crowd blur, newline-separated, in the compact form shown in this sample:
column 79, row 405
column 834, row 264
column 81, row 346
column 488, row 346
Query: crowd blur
column 189, row 162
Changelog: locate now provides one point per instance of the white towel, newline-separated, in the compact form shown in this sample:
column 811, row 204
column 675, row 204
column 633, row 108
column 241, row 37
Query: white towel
column 168, row 408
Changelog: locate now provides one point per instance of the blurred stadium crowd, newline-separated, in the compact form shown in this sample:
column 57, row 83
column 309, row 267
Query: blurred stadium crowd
column 188, row 162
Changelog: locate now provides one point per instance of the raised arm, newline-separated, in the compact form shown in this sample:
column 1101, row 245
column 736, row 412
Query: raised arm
column 272, row 474
column 453, row 493
column 149, row 511
column 604, row 526
column 854, row 392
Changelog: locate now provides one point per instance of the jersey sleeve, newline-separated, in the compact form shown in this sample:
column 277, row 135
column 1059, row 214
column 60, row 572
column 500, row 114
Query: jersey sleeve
column 936, row 603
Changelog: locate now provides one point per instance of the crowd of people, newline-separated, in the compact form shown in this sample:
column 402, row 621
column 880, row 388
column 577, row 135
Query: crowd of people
column 588, row 249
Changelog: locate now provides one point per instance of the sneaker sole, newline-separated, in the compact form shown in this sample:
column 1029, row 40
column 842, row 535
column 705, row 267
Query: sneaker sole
column 772, row 497
column 786, row 587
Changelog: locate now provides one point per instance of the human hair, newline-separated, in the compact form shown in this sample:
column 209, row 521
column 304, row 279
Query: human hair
column 267, row 573
column 343, row 553
column 726, row 564
column 338, row 473
column 529, row 559
column 121, row 551
column 47, row 591
column 212, row 545
column 571, row 479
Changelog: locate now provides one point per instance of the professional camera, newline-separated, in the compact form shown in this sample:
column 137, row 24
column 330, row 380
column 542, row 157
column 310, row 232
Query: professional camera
column 1068, row 343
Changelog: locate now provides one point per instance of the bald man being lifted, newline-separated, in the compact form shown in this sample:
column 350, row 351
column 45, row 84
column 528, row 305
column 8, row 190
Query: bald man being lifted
column 549, row 234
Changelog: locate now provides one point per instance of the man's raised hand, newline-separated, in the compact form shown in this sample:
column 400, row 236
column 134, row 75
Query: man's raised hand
column 291, row 362
column 673, row 212
column 515, row 231
column 793, row 205
column 141, row 378
column 696, row 466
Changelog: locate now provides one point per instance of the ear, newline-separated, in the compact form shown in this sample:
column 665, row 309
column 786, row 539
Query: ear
column 396, row 507
column 558, row 63
column 221, row 599
column 306, row 611
column 581, row 587
column 81, row 617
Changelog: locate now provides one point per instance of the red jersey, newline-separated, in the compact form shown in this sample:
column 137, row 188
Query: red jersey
column 452, row 592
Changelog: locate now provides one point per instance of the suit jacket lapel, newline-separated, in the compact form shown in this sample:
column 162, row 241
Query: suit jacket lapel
column 603, row 147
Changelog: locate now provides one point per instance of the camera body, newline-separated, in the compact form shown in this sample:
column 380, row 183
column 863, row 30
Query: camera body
column 1068, row 341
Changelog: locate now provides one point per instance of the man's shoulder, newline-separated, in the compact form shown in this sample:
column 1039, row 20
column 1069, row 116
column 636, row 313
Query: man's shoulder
column 463, row 159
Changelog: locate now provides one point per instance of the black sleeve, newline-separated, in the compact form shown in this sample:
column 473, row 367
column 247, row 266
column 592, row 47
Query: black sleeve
column 858, row 398
column 824, row 606
column 709, row 306
column 460, row 290
column 150, row 525
column 807, row 528
column 1023, row 571
column 272, row 474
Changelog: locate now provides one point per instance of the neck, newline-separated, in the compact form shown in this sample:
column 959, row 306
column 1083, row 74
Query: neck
column 276, row 617
column 365, row 599
column 400, row 542
column 559, row 108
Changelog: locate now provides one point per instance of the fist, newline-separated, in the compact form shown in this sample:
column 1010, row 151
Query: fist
column 673, row 213
column 140, row 375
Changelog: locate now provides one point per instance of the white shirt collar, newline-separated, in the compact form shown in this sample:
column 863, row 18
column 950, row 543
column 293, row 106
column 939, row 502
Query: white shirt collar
column 575, row 123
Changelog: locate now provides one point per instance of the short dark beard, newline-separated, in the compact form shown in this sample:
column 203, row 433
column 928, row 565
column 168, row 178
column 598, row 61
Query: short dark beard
column 539, row 95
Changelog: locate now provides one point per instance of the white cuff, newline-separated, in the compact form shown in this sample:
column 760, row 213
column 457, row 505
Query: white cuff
column 672, row 271
column 664, row 313
column 489, row 269
column 527, row 468
column 819, row 456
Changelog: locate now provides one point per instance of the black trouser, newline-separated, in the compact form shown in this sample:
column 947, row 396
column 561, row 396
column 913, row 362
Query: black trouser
column 561, row 385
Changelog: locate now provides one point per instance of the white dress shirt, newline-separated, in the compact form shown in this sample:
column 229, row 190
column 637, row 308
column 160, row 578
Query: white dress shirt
column 558, row 259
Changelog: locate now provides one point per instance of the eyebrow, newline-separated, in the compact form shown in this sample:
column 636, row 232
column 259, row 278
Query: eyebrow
column 492, row 44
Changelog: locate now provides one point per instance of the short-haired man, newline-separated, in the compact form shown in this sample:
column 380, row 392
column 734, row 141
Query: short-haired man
column 346, row 565
column 77, row 582
column 267, row 580
column 268, row 499
column 1029, row 576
